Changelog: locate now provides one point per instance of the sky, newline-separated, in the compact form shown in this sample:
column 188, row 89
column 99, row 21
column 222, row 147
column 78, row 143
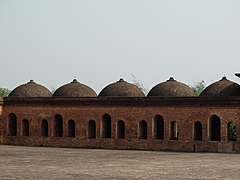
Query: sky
column 100, row 41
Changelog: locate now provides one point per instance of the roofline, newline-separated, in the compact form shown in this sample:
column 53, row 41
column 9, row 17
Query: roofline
column 123, row 101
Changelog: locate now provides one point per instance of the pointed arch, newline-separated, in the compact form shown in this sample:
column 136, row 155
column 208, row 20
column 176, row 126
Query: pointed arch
column 71, row 128
column 174, row 130
column 44, row 128
column 142, row 130
column 120, row 129
column 231, row 131
column 215, row 128
column 25, row 127
column 12, row 124
column 106, row 126
column 92, row 129
column 58, row 126
column 197, row 131
column 158, row 126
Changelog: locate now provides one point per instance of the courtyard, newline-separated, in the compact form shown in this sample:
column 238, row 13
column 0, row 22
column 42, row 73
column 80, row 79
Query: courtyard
column 19, row 162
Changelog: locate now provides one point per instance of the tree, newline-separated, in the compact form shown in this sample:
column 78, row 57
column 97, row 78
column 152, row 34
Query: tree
column 232, row 131
column 139, row 84
column 198, row 87
column 4, row 92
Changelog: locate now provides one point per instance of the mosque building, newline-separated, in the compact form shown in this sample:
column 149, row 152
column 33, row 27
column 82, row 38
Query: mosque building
column 169, row 118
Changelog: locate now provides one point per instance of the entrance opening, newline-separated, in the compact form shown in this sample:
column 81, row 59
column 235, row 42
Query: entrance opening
column 106, row 126
column 44, row 128
column 215, row 128
column 120, row 130
column 12, row 124
column 91, row 129
column 158, row 127
column 197, row 131
column 231, row 129
column 25, row 127
column 71, row 128
column 174, row 130
column 58, row 125
column 142, row 130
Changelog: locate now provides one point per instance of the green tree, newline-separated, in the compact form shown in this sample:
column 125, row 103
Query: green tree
column 139, row 84
column 4, row 92
column 198, row 87
column 232, row 132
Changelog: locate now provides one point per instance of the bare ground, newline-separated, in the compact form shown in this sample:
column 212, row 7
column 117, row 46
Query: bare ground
column 18, row 162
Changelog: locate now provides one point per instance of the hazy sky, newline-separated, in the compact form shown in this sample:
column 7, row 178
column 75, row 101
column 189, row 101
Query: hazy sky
column 100, row 41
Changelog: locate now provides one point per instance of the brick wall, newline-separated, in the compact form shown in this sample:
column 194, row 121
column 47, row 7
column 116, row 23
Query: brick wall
column 184, row 111
column 1, row 128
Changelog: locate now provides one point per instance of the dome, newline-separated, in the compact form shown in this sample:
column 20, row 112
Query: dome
column 223, row 87
column 75, row 89
column 122, row 89
column 171, row 88
column 30, row 89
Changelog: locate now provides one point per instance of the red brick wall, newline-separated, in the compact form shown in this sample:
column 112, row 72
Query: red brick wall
column 185, row 115
column 1, row 128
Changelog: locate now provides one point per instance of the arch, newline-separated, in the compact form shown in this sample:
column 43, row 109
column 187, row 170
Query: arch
column 44, row 128
column 92, row 129
column 215, row 128
column 25, row 127
column 142, row 132
column 197, row 131
column 174, row 130
column 106, row 126
column 71, row 128
column 158, row 126
column 231, row 131
column 120, row 129
column 58, row 125
column 12, row 124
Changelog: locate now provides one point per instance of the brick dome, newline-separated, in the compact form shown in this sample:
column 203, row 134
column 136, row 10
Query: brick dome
column 122, row 88
column 75, row 89
column 30, row 89
column 223, row 87
column 171, row 88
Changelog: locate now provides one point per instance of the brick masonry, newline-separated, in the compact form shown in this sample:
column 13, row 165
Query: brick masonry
column 185, row 111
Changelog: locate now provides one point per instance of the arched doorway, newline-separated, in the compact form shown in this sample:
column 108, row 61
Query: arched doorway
column 174, row 130
column 215, row 128
column 44, row 128
column 120, row 129
column 106, row 126
column 71, row 128
column 58, row 125
column 25, row 127
column 231, row 131
column 12, row 124
column 198, row 131
column 142, row 130
column 158, row 127
column 91, row 129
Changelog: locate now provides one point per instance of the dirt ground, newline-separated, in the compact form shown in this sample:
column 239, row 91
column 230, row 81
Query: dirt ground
column 18, row 162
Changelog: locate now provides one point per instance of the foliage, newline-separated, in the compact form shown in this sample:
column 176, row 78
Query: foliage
column 198, row 87
column 4, row 92
column 232, row 132
column 139, row 84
